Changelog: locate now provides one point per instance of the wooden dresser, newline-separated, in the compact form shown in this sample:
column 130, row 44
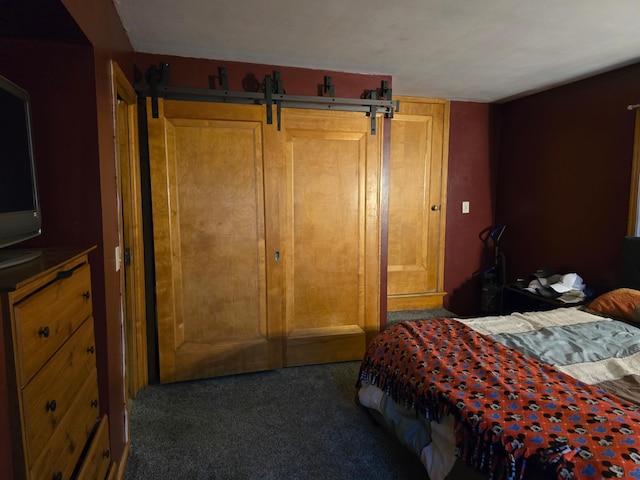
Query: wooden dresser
column 46, row 313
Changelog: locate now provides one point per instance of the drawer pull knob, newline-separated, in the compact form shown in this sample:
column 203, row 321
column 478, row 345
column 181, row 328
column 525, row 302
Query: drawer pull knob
column 64, row 274
column 44, row 332
column 57, row 476
column 94, row 403
column 105, row 454
column 51, row 406
column 91, row 349
column 86, row 295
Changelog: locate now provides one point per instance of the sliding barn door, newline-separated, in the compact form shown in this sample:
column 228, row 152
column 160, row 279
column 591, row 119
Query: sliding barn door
column 211, row 224
column 331, row 233
column 267, row 242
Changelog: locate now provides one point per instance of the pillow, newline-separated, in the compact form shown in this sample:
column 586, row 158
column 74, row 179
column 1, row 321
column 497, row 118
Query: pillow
column 622, row 303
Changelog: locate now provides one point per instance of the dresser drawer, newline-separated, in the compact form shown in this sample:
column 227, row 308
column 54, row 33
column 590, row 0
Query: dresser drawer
column 62, row 452
column 112, row 474
column 50, row 395
column 46, row 319
column 96, row 463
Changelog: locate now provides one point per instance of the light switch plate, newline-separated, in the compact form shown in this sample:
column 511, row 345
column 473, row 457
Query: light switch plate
column 118, row 258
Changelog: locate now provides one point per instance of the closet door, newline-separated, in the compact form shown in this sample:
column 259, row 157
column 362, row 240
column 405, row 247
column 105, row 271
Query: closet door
column 417, row 204
column 331, row 240
column 267, row 242
column 217, row 296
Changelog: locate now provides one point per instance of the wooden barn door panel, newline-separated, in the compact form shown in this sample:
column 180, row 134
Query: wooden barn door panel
column 207, row 183
column 332, row 232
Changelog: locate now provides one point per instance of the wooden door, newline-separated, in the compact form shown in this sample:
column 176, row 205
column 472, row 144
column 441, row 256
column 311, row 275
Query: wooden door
column 331, row 239
column 217, row 297
column 131, row 241
column 267, row 242
column 417, row 204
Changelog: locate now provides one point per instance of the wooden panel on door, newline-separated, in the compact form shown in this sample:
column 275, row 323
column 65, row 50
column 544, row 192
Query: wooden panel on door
column 332, row 247
column 417, row 184
column 210, row 222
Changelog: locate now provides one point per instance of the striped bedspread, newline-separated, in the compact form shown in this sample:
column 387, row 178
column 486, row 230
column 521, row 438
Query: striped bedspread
column 594, row 349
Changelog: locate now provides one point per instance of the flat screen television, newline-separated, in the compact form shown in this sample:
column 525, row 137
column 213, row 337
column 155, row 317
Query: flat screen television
column 19, row 206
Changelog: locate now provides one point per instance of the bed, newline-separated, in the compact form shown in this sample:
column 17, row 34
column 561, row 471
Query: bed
column 535, row 395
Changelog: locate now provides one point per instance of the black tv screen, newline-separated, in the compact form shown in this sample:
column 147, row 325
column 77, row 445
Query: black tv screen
column 15, row 155
column 19, row 206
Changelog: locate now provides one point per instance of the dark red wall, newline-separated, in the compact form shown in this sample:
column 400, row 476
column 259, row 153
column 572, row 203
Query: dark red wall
column 471, row 177
column 564, row 177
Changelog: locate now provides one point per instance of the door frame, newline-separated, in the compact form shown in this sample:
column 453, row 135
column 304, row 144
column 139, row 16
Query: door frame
column 130, row 223
column 633, row 225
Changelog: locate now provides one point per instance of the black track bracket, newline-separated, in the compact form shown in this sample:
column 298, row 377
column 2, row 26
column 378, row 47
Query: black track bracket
column 371, row 103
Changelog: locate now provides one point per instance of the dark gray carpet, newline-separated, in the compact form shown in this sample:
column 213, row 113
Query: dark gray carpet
column 293, row 423
column 395, row 317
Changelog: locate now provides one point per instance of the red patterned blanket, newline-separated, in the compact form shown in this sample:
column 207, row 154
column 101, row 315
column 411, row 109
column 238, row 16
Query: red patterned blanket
column 516, row 417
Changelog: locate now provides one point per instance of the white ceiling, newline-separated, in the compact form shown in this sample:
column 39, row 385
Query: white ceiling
column 474, row 50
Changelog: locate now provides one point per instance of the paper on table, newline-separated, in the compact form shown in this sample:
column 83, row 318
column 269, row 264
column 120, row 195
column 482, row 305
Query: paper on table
column 572, row 296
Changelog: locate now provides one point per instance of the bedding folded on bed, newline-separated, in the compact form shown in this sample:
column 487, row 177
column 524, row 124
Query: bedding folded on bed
column 594, row 349
column 566, row 345
column 627, row 387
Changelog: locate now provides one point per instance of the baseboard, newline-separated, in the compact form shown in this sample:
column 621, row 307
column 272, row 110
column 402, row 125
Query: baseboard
column 415, row 302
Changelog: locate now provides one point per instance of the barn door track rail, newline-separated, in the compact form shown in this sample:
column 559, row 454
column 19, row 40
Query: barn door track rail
column 273, row 93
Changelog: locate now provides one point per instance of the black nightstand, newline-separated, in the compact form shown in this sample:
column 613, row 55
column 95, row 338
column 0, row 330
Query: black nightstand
column 516, row 299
